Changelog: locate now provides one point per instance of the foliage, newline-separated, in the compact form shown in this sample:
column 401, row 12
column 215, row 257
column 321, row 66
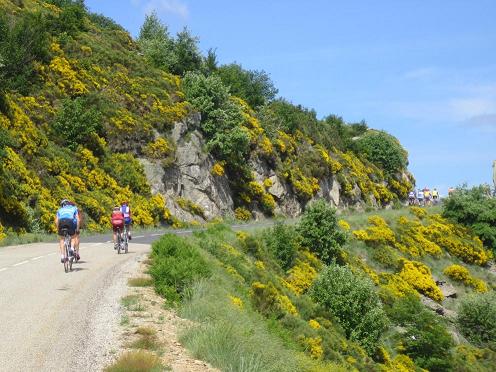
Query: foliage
column 76, row 124
column 136, row 361
column 128, row 170
column 477, row 319
column 23, row 44
column 255, row 87
column 425, row 338
column 283, row 242
column 475, row 209
column 320, row 231
column 383, row 149
column 462, row 274
column 354, row 302
column 175, row 265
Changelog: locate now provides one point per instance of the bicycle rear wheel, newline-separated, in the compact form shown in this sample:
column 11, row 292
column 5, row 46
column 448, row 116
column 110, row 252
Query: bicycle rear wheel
column 66, row 256
column 119, row 242
column 125, row 241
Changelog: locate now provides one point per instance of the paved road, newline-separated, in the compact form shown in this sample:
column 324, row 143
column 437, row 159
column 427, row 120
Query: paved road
column 56, row 321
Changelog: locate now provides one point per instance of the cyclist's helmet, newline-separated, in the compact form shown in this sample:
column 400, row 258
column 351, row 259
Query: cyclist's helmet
column 125, row 203
column 64, row 202
column 116, row 208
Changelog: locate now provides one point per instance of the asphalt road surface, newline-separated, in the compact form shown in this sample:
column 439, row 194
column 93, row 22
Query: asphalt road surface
column 56, row 321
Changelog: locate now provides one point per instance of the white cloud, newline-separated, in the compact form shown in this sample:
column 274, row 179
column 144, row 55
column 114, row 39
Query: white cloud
column 420, row 73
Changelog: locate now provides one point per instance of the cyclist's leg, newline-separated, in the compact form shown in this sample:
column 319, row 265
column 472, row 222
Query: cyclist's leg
column 114, row 236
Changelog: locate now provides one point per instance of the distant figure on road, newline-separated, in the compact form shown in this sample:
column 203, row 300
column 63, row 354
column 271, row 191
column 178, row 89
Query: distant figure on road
column 435, row 196
column 420, row 197
column 451, row 190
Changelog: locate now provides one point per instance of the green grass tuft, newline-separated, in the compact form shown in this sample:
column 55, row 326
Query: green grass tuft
column 140, row 282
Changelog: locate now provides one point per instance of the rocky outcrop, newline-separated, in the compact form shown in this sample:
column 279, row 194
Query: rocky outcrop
column 189, row 177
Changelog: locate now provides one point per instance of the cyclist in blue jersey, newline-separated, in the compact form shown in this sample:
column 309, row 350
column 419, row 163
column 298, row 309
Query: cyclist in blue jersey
column 126, row 211
column 67, row 218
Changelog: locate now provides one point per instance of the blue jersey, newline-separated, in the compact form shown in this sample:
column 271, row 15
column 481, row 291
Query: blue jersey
column 68, row 212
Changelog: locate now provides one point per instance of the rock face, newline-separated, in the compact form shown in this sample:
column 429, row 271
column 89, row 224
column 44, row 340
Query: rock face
column 190, row 177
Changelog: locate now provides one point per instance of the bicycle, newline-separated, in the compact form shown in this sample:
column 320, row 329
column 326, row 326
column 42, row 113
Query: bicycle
column 68, row 258
column 122, row 242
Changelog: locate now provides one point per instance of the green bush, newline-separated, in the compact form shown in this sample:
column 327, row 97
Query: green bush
column 475, row 209
column 320, row 231
column 76, row 124
column 384, row 150
column 354, row 302
column 477, row 319
column 175, row 265
column 283, row 242
column 425, row 338
column 255, row 87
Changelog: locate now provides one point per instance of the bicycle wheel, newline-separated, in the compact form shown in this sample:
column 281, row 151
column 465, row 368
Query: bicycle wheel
column 125, row 241
column 66, row 256
column 118, row 241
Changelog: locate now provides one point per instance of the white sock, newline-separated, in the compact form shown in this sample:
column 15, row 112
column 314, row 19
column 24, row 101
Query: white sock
column 61, row 256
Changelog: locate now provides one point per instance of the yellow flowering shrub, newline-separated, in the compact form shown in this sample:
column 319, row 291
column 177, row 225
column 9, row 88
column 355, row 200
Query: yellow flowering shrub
column 268, row 300
column 418, row 275
column 255, row 188
column 419, row 212
column 396, row 285
column 344, row 225
column 314, row 324
column 313, row 346
column 190, row 206
column 159, row 149
column 236, row 301
column 378, row 233
column 268, row 202
column 218, row 169
column 267, row 183
column 67, row 77
column 300, row 277
column 242, row 214
column 462, row 274
column 2, row 233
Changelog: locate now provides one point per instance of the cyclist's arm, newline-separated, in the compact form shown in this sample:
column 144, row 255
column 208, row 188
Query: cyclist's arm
column 56, row 221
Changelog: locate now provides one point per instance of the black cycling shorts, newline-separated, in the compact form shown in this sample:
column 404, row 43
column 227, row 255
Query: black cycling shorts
column 69, row 224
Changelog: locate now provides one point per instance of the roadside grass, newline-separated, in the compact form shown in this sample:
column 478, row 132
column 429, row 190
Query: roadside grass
column 140, row 282
column 124, row 320
column 27, row 238
column 146, row 342
column 137, row 361
column 132, row 303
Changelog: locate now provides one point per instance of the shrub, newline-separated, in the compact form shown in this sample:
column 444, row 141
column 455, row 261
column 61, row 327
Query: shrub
column 475, row 209
column 283, row 242
column 354, row 302
column 425, row 338
column 128, row 171
column 461, row 274
column 320, row 231
column 477, row 319
column 76, row 124
column 175, row 265
column 242, row 214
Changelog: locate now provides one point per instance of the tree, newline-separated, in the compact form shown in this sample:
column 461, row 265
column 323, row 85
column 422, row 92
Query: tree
column 254, row 86
column 354, row 302
column 187, row 54
column 320, row 231
column 155, row 42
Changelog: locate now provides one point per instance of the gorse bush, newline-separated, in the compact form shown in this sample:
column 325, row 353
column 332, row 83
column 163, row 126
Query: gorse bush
column 354, row 302
column 175, row 265
column 477, row 319
column 320, row 231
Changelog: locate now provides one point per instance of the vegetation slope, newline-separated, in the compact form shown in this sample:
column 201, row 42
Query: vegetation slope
column 81, row 102
column 366, row 292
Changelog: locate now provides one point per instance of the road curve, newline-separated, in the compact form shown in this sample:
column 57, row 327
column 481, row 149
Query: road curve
column 56, row 321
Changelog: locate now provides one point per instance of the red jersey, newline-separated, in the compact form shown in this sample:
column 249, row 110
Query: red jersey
column 117, row 218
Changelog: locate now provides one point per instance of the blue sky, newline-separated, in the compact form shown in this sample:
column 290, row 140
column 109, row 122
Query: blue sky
column 424, row 71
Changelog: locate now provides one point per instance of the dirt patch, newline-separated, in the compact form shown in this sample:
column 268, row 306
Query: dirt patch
column 142, row 309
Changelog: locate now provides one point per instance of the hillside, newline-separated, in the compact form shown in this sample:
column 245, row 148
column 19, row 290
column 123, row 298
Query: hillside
column 89, row 113
column 402, row 290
